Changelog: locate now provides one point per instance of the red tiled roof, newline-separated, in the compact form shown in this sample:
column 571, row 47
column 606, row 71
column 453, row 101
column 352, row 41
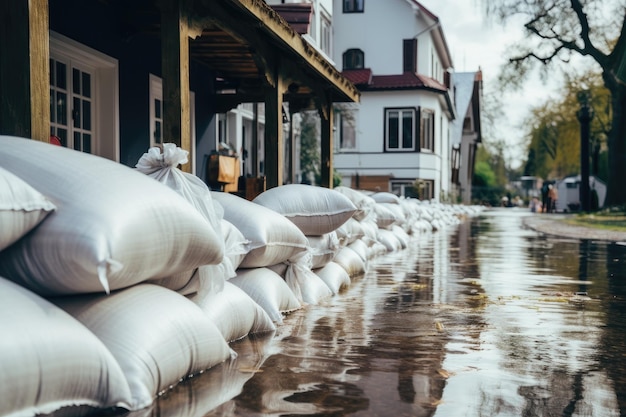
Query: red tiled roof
column 298, row 15
column 362, row 76
column 364, row 80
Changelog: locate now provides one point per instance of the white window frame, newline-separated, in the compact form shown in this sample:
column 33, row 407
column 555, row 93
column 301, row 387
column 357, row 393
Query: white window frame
column 401, row 111
column 427, row 130
column 156, row 92
column 105, row 92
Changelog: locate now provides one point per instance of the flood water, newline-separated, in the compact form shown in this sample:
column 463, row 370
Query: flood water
column 482, row 319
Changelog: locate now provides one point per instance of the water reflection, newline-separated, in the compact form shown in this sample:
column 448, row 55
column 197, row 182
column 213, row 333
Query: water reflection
column 485, row 319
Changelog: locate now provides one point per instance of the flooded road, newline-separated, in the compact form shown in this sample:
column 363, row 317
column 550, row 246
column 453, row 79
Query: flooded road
column 482, row 319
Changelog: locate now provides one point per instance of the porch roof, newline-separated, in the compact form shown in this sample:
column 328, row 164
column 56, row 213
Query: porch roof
column 247, row 44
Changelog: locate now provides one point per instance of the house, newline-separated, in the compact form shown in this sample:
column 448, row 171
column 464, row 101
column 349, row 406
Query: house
column 115, row 77
column 401, row 137
column 466, row 132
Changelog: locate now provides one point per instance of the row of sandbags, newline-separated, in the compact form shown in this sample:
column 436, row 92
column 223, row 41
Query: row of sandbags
column 149, row 281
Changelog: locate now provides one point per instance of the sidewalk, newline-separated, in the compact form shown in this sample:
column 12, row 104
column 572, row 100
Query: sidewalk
column 554, row 224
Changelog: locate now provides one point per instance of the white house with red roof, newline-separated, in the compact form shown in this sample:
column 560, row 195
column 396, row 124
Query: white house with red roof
column 400, row 136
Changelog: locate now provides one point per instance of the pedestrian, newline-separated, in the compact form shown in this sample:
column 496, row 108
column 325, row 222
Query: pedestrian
column 535, row 205
column 553, row 196
column 544, row 197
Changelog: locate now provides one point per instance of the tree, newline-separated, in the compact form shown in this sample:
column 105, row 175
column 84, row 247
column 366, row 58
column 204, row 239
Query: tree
column 309, row 145
column 554, row 147
column 558, row 31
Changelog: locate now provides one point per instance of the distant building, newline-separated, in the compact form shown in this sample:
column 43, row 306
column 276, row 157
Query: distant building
column 407, row 135
column 465, row 131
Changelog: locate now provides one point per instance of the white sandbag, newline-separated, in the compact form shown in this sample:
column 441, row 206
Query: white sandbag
column 163, row 167
column 49, row 361
column 361, row 249
column 351, row 261
column 269, row 290
column 397, row 211
column 114, row 227
column 350, row 231
column 234, row 313
column 389, row 240
column 362, row 201
column 201, row 396
column 21, row 208
column 273, row 238
column 401, row 235
column 383, row 215
column 236, row 246
column 323, row 249
column 370, row 229
column 385, row 197
column 157, row 336
column 334, row 275
column 315, row 210
column 308, row 287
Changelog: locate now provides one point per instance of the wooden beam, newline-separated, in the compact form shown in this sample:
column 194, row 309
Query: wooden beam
column 25, row 69
column 175, row 70
column 274, row 147
column 326, row 155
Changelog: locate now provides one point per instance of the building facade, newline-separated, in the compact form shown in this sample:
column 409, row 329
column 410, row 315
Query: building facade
column 399, row 137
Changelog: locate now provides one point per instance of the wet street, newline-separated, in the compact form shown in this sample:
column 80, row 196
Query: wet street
column 487, row 318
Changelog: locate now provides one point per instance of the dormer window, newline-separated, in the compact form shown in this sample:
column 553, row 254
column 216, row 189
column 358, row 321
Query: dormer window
column 353, row 6
column 353, row 59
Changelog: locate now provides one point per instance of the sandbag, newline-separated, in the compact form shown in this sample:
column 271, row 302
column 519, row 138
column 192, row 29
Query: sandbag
column 269, row 290
column 273, row 238
column 323, row 249
column 350, row 231
column 308, row 287
column 389, row 240
column 385, row 197
column 334, row 275
column 234, row 313
column 157, row 336
column 383, row 215
column 50, row 361
column 236, row 246
column 315, row 210
column 201, row 396
column 21, row 208
column 361, row 201
column 114, row 227
column 351, row 262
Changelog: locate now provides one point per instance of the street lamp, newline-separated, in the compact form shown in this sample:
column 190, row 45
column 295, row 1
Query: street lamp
column 585, row 114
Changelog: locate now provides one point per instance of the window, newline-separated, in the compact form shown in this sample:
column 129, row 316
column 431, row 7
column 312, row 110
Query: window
column 345, row 129
column 84, row 100
column 427, row 130
column 353, row 6
column 156, row 117
column 455, row 163
column 409, row 55
column 156, row 111
column 353, row 59
column 71, row 103
column 404, row 188
column 326, row 36
column 400, row 129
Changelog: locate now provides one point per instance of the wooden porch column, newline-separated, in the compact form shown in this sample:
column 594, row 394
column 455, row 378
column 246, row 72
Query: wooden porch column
column 175, row 69
column 274, row 147
column 25, row 69
column 326, row 167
